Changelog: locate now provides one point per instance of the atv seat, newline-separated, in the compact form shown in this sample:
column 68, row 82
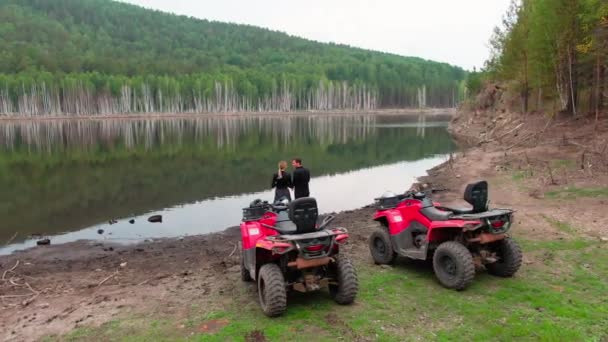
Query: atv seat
column 457, row 211
column 303, row 212
column 433, row 213
column 475, row 194
column 284, row 224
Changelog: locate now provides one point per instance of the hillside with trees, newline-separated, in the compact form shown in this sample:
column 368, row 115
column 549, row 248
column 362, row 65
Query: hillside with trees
column 103, row 57
column 551, row 55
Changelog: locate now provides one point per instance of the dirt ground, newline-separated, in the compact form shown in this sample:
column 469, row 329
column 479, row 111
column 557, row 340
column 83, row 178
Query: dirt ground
column 54, row 289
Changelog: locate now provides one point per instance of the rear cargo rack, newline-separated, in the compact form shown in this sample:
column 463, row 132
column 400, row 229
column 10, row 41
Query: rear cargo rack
column 254, row 213
column 384, row 203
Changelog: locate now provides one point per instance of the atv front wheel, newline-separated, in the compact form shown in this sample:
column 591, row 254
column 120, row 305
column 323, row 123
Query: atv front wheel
column 381, row 247
column 271, row 290
column 348, row 285
column 245, row 275
column 453, row 265
column 509, row 258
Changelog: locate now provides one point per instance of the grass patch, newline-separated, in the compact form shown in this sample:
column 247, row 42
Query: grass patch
column 521, row 175
column 563, row 163
column 560, row 299
column 560, row 225
column 574, row 192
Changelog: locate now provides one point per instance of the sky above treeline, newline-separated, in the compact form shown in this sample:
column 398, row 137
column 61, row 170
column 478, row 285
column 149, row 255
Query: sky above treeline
column 456, row 32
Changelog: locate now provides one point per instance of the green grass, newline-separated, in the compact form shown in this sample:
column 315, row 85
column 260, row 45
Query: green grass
column 561, row 296
column 563, row 163
column 521, row 175
column 574, row 192
column 560, row 225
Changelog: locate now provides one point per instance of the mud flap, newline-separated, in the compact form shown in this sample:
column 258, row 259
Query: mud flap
column 249, row 258
column 403, row 243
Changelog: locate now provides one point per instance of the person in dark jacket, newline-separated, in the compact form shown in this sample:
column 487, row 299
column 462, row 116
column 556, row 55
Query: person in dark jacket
column 300, row 179
column 282, row 182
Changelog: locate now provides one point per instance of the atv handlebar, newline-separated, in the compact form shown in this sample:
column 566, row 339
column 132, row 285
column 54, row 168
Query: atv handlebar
column 326, row 221
column 278, row 207
column 407, row 194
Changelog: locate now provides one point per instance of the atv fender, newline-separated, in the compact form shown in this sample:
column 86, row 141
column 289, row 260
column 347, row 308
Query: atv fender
column 446, row 230
column 251, row 232
column 276, row 247
column 393, row 218
column 249, row 260
column 454, row 224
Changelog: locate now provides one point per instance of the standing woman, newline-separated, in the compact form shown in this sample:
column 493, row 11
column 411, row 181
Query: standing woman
column 282, row 182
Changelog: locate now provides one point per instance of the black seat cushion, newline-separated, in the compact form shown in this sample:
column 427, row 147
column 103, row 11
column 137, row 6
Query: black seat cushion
column 432, row 213
column 304, row 213
column 284, row 224
column 286, row 227
column 435, row 214
column 457, row 211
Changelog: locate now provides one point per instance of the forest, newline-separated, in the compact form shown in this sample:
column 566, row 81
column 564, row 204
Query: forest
column 87, row 57
column 552, row 55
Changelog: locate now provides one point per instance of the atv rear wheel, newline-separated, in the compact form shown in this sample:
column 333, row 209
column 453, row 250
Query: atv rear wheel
column 348, row 285
column 271, row 290
column 245, row 275
column 381, row 247
column 453, row 265
column 509, row 258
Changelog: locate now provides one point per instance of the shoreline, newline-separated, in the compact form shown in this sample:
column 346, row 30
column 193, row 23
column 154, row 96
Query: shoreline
column 447, row 112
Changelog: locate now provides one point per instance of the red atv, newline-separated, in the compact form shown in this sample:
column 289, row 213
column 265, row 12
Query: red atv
column 455, row 239
column 284, row 249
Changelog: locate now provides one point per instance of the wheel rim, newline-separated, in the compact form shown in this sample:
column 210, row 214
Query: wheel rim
column 379, row 246
column 448, row 265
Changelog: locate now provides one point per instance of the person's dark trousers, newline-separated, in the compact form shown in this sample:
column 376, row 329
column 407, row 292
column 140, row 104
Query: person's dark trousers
column 301, row 194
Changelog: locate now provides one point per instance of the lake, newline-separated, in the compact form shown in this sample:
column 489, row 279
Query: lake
column 69, row 179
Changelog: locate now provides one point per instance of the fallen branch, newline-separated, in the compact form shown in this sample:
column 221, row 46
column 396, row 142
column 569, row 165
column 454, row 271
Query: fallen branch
column 521, row 141
column 11, row 239
column 499, row 125
column 501, row 136
column 31, row 289
column 579, row 145
column 16, row 296
column 509, row 132
column 145, row 281
column 553, row 182
column 107, row 278
column 11, row 270
column 234, row 250
column 585, row 148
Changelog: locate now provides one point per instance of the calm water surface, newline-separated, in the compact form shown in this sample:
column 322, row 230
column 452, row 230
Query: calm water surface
column 67, row 179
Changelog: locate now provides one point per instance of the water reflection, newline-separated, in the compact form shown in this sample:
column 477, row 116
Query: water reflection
column 65, row 176
column 53, row 136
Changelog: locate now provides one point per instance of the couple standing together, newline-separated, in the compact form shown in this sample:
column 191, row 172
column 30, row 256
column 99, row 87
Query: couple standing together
column 282, row 181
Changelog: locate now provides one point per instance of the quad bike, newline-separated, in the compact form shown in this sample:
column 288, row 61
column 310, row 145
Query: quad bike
column 455, row 239
column 284, row 249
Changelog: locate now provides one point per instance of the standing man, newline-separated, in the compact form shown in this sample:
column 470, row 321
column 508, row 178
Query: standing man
column 300, row 179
